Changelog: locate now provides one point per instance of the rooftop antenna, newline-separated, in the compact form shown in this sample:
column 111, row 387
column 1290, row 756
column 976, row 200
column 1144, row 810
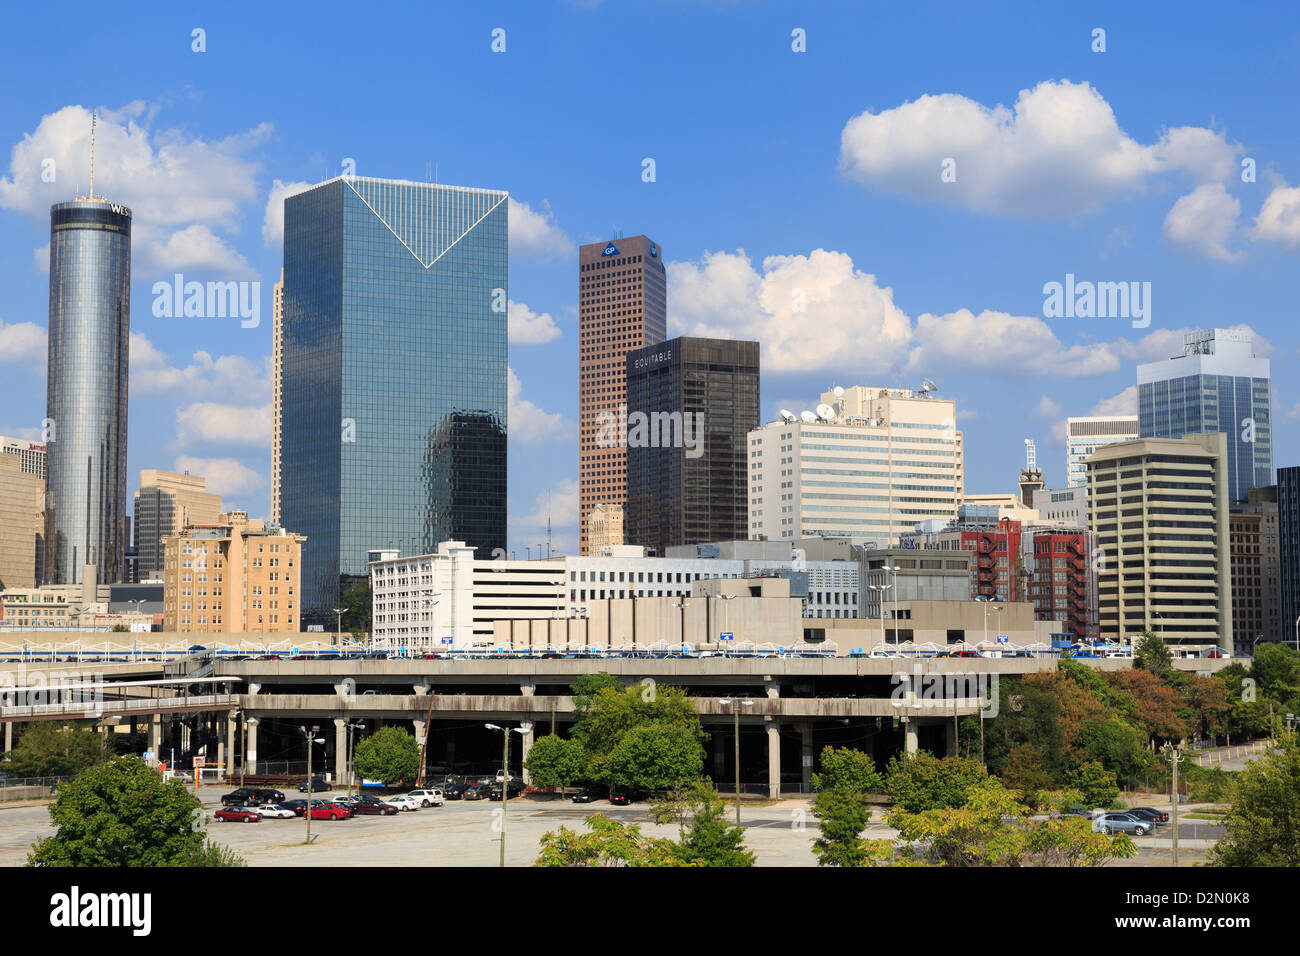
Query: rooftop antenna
column 92, row 156
column 548, row 524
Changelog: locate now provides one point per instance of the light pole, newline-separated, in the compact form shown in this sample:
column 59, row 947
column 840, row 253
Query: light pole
column 1297, row 634
column 726, row 597
column 988, row 602
column 353, row 724
column 893, row 570
column 505, row 779
column 311, row 738
column 682, row 606
column 243, row 756
column 735, row 710
column 881, row 589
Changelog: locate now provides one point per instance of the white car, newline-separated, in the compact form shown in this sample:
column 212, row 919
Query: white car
column 402, row 803
column 426, row 798
column 276, row 811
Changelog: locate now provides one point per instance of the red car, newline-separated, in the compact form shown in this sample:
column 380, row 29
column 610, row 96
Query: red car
column 237, row 815
column 373, row 805
column 330, row 811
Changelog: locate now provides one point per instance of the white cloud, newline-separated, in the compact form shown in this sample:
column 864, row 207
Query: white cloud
column 195, row 247
column 41, row 255
column 529, row 424
column 998, row 341
column 1058, row 153
column 1202, row 222
column 1279, row 218
column 26, row 434
column 535, row 233
column 226, row 376
column 22, row 342
column 560, row 504
column 273, row 219
column 527, row 327
column 212, row 423
column 227, row 477
column 809, row 312
column 1125, row 403
column 1047, row 408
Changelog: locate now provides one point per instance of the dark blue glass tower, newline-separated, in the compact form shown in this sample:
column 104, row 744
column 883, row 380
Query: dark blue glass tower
column 86, row 390
column 393, row 422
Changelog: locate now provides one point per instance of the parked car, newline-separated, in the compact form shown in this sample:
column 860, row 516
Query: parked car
column 243, row 797
column 589, row 793
column 425, row 798
column 1158, row 817
column 330, row 811
column 1122, row 823
column 237, row 815
column 299, row 807
column 456, row 791
column 267, row 795
column 515, row 787
column 373, row 805
column 407, row 803
column 276, row 812
column 477, row 791
column 624, row 797
column 1215, row 652
column 315, row 785
column 345, row 800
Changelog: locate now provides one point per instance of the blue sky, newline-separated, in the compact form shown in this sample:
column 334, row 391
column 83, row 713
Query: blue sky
column 778, row 175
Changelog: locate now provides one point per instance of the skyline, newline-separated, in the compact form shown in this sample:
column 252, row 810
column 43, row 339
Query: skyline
column 903, row 280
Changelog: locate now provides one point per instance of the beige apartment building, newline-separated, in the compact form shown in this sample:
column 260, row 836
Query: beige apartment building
column 232, row 576
column 22, row 512
column 166, row 503
column 604, row 527
column 277, row 375
column 1159, row 508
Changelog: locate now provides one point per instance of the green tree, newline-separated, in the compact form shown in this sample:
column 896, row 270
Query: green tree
column 846, row 767
column 49, row 749
column 925, row 782
column 585, row 688
column 1095, row 784
column 708, row 840
column 609, row 843
column 122, row 813
column 215, row 855
column 1263, row 826
column 1276, row 670
column 642, row 735
column 654, row 756
column 843, row 813
column 390, row 754
column 1151, row 654
column 556, row 762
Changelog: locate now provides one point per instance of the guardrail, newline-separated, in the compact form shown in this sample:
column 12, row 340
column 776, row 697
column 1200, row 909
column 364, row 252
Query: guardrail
column 13, row 789
column 97, row 707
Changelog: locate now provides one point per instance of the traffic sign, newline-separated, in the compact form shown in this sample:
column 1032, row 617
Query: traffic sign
column 198, row 762
column 150, row 756
column 726, row 636
column 446, row 640
column 1003, row 639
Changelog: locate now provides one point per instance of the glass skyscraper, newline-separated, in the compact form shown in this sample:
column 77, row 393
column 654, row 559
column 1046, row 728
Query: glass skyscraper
column 86, row 390
column 1216, row 385
column 393, row 386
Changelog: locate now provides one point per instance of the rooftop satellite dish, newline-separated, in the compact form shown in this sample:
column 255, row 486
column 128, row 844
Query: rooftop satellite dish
column 839, row 391
column 825, row 413
column 787, row 416
column 808, row 417
column 928, row 386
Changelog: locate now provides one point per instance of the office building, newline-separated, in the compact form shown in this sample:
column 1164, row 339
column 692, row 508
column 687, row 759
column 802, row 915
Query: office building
column 691, row 404
column 1261, row 602
column 1159, row 508
column 1085, row 434
column 998, row 570
column 870, row 464
column 1063, row 507
column 605, row 527
column 22, row 512
column 1216, row 385
column 1288, row 543
column 1062, row 582
column 393, row 383
column 86, row 390
column 166, row 503
column 622, row 305
column 233, row 576
column 277, row 390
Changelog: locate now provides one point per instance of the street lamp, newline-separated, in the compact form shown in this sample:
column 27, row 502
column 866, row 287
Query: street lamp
column 358, row 725
column 505, row 778
column 881, row 589
column 311, row 738
column 682, row 606
column 726, row 597
column 338, row 631
column 728, row 702
column 893, row 570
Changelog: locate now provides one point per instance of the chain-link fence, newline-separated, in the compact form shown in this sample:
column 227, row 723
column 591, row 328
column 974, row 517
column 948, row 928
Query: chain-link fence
column 13, row 789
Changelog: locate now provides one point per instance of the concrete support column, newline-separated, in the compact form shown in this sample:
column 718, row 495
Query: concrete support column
column 155, row 735
column 419, row 728
column 910, row 745
column 421, row 689
column 252, row 747
column 527, row 690
column 950, row 737
column 340, row 751
column 232, row 728
column 9, row 735
column 525, row 747
column 773, row 761
column 719, row 755
column 773, row 689
column 806, row 753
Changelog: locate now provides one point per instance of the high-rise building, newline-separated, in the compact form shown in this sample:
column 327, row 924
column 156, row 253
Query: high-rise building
column 1288, row 545
column 86, row 389
column 232, row 576
column 691, row 404
column 1216, row 385
column 22, row 512
column 277, row 372
column 622, row 305
column 1261, row 598
column 870, row 465
column 1084, row 435
column 393, row 388
column 1159, row 508
column 605, row 527
column 167, row 503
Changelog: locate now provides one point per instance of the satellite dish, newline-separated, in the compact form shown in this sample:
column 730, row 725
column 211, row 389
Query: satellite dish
column 929, row 386
column 839, row 391
column 825, row 413
column 787, row 416
column 808, row 417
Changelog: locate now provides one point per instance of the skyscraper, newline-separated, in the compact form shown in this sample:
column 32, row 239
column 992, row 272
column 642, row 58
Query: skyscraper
column 393, row 386
column 22, row 519
column 86, row 389
column 167, row 503
column 1288, row 534
column 1084, row 435
column 691, row 404
column 622, row 305
column 1216, row 385
column 277, row 389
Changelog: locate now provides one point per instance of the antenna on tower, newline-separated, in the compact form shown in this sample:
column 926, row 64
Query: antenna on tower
column 92, row 155
column 548, row 524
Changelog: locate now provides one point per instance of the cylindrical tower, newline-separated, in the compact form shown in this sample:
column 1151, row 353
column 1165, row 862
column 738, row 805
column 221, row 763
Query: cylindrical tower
column 86, row 390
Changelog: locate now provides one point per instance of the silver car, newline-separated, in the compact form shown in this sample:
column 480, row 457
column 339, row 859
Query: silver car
column 1121, row 823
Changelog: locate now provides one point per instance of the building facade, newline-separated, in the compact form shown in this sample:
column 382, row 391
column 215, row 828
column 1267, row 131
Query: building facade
column 622, row 305
column 1085, row 434
column 234, row 576
column 1288, row 543
column 1216, row 385
column 277, row 390
column 166, row 503
column 1159, row 508
column 605, row 527
column 86, row 390
column 870, row 465
column 691, row 404
column 393, row 390
column 22, row 512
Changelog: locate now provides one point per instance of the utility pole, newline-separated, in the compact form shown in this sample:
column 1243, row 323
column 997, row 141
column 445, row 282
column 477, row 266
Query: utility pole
column 1175, row 758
